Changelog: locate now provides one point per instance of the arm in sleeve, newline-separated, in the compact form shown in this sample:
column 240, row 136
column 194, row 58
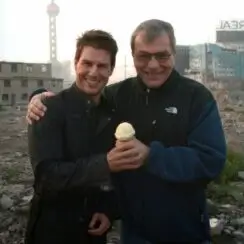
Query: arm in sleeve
column 53, row 172
column 202, row 159
column 108, row 204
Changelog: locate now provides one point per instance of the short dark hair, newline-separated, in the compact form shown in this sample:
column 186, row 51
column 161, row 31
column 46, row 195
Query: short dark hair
column 97, row 39
column 154, row 28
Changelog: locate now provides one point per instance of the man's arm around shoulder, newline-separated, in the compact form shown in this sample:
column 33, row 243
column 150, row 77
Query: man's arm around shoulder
column 38, row 91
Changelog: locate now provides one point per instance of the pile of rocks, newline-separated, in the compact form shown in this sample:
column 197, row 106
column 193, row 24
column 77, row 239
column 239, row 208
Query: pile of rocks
column 16, row 177
column 232, row 115
column 228, row 219
column 15, row 199
column 14, row 203
column 16, row 190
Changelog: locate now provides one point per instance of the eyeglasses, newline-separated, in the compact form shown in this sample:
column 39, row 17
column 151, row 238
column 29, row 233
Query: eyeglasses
column 161, row 57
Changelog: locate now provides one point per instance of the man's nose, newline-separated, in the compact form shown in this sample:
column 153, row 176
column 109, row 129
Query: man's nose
column 153, row 63
column 93, row 70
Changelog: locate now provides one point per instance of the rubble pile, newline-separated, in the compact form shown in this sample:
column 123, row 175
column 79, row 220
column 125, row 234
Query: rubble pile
column 227, row 214
column 16, row 178
column 232, row 115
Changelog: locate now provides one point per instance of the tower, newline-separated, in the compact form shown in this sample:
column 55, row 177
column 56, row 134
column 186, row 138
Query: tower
column 53, row 11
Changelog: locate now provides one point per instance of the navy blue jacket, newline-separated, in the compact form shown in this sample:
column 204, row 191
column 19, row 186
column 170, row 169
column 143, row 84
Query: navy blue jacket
column 164, row 201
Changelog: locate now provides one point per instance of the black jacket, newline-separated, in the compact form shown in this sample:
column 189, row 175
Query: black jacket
column 164, row 201
column 68, row 153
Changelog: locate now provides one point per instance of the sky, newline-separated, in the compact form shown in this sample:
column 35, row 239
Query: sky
column 24, row 23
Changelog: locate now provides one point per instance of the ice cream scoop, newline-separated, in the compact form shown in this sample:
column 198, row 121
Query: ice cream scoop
column 124, row 132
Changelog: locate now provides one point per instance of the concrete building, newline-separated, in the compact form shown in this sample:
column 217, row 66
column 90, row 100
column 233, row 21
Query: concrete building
column 19, row 80
column 215, row 62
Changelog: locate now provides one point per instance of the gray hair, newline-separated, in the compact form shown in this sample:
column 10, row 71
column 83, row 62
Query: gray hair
column 154, row 28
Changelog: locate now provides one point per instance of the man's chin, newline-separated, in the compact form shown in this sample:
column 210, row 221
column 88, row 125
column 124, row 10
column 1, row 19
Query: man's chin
column 92, row 92
column 93, row 89
column 154, row 83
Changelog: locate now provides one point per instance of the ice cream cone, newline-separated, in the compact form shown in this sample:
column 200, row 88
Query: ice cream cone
column 124, row 132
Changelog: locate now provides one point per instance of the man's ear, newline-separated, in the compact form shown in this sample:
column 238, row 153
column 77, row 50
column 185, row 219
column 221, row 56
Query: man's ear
column 111, row 71
column 75, row 63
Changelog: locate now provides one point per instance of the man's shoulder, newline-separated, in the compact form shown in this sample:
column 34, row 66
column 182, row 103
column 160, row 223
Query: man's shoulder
column 55, row 104
column 112, row 91
column 197, row 90
column 120, row 84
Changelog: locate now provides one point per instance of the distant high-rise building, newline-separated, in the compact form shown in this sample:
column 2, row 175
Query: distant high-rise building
column 53, row 11
column 2, row 30
column 230, row 33
column 182, row 59
column 216, row 62
column 59, row 69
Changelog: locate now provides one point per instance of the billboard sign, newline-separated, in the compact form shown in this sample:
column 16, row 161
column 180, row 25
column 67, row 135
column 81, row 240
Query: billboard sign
column 231, row 25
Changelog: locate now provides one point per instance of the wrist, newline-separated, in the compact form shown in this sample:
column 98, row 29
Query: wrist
column 147, row 152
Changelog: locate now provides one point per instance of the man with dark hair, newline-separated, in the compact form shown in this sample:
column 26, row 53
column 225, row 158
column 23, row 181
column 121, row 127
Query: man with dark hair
column 179, row 146
column 72, row 204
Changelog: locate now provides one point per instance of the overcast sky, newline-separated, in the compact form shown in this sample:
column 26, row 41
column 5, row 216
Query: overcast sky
column 24, row 23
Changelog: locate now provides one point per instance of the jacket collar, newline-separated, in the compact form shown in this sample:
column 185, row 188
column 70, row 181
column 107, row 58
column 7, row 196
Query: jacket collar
column 81, row 98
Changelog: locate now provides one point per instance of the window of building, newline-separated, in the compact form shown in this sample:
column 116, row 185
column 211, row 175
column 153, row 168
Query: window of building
column 29, row 68
column 0, row 67
column 5, row 97
column 24, row 96
column 14, row 68
column 7, row 83
column 24, row 83
column 53, row 83
column 44, row 68
column 40, row 83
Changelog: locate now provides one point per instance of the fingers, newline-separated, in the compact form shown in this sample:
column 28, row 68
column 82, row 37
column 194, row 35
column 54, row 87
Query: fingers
column 33, row 114
column 123, row 157
column 125, row 164
column 28, row 120
column 37, row 104
column 123, row 146
column 93, row 220
column 104, row 225
column 127, row 160
column 48, row 94
column 36, row 108
column 124, row 160
column 130, row 153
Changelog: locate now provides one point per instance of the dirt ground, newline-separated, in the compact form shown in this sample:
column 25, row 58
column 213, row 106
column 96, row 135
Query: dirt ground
column 16, row 182
column 14, row 165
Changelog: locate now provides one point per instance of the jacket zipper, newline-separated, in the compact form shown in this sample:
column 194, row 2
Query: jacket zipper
column 147, row 96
